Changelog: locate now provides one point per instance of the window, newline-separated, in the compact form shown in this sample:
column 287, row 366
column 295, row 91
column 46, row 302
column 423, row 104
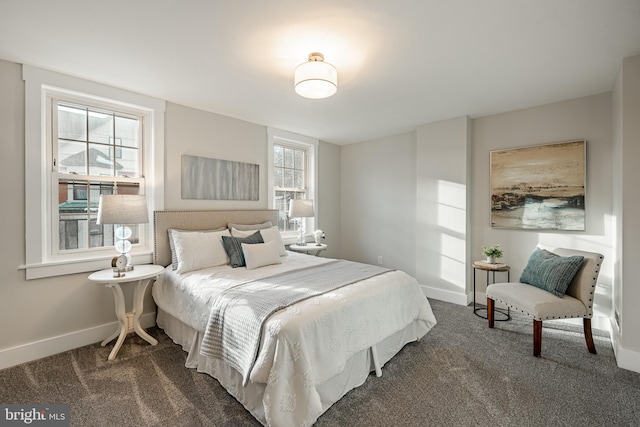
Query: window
column 84, row 139
column 289, row 180
column 95, row 151
column 292, row 175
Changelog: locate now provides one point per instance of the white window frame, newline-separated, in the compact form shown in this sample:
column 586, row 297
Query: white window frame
column 310, row 145
column 41, row 258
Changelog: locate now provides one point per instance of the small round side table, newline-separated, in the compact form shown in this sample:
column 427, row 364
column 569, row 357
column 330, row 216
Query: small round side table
column 490, row 268
column 128, row 321
column 309, row 247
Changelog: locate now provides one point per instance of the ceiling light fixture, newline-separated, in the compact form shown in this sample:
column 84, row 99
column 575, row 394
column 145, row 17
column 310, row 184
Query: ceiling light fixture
column 316, row 79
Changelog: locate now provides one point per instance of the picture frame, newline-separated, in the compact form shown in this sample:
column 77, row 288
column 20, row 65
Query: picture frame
column 215, row 179
column 541, row 187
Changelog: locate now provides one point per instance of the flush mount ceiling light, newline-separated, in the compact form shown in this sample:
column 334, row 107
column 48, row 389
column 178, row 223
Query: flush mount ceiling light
column 316, row 79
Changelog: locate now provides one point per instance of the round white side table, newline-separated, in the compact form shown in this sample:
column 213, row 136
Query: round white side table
column 128, row 321
column 308, row 248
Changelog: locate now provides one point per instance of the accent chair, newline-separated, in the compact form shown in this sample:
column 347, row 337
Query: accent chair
column 539, row 302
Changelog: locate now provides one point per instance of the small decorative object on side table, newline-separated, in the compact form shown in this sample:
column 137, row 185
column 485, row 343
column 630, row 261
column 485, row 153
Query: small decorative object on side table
column 311, row 247
column 128, row 321
column 490, row 267
column 492, row 253
column 318, row 235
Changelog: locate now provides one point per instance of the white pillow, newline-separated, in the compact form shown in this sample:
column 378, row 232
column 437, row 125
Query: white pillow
column 268, row 235
column 174, row 258
column 254, row 227
column 196, row 250
column 261, row 254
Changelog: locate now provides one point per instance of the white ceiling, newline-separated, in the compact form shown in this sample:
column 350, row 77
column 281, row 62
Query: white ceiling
column 400, row 63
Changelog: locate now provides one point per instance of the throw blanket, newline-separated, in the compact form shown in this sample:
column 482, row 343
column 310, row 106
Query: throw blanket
column 235, row 325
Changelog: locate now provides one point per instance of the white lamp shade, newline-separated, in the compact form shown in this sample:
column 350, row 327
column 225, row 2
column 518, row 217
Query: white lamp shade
column 299, row 208
column 316, row 79
column 122, row 209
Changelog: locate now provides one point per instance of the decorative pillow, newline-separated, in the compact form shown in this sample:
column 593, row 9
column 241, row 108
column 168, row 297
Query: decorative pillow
column 261, row 254
column 233, row 247
column 551, row 272
column 196, row 250
column 247, row 227
column 268, row 235
column 174, row 258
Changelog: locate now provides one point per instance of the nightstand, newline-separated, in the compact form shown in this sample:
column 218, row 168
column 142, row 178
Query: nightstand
column 490, row 268
column 309, row 248
column 142, row 274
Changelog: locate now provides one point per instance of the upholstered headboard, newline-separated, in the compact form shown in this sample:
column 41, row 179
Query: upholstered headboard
column 200, row 220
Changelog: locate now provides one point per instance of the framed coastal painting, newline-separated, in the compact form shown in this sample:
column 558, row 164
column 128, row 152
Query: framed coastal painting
column 540, row 187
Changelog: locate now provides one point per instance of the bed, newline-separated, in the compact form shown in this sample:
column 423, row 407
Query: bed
column 309, row 354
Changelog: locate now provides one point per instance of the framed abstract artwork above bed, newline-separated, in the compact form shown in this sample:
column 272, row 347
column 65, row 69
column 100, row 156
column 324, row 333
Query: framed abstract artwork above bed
column 540, row 187
column 215, row 179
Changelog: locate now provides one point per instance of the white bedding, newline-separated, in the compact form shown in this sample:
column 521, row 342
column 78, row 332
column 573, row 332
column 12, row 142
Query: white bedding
column 307, row 344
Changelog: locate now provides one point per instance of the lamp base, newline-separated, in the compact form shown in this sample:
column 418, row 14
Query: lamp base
column 301, row 240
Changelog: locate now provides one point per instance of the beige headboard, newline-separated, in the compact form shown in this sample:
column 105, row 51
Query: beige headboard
column 200, row 220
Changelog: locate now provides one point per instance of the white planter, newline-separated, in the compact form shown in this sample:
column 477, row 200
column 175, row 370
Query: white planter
column 491, row 259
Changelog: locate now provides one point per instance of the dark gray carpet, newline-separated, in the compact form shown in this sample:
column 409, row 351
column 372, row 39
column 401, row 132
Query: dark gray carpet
column 460, row 374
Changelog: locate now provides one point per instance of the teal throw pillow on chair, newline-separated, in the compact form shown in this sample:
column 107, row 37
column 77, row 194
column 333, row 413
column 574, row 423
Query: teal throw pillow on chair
column 551, row 272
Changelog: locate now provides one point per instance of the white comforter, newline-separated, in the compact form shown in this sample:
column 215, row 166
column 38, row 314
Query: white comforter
column 303, row 345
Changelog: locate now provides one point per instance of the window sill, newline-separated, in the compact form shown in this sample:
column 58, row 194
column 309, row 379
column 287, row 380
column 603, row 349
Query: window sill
column 292, row 240
column 62, row 268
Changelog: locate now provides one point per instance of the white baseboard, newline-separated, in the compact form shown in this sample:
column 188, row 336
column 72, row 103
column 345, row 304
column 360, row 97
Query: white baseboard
column 625, row 358
column 447, row 296
column 47, row 347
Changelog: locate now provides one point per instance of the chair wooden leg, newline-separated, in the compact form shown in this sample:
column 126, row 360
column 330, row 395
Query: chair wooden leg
column 491, row 311
column 587, row 335
column 537, row 337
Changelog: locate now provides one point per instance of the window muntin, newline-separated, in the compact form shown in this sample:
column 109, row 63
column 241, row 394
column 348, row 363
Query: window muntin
column 95, row 142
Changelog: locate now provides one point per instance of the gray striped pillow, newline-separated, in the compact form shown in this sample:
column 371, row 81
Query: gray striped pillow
column 233, row 247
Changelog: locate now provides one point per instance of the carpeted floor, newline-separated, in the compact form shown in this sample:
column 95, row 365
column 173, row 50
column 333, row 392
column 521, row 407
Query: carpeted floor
column 460, row 374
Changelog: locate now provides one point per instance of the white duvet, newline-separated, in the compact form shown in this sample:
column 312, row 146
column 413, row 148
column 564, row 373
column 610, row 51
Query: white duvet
column 308, row 343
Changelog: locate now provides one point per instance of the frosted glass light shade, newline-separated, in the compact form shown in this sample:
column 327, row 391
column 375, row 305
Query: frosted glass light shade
column 316, row 79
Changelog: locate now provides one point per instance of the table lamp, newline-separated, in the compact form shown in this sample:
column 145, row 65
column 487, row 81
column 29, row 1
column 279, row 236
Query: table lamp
column 122, row 210
column 301, row 208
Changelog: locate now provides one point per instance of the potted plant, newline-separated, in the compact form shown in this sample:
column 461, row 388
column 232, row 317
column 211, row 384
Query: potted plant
column 492, row 253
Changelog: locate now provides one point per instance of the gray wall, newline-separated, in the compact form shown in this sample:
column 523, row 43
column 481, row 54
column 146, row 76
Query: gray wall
column 584, row 118
column 455, row 154
column 378, row 202
column 442, row 215
column 450, row 189
column 47, row 316
column 626, row 119
column 329, row 191
column 36, row 315
column 201, row 133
